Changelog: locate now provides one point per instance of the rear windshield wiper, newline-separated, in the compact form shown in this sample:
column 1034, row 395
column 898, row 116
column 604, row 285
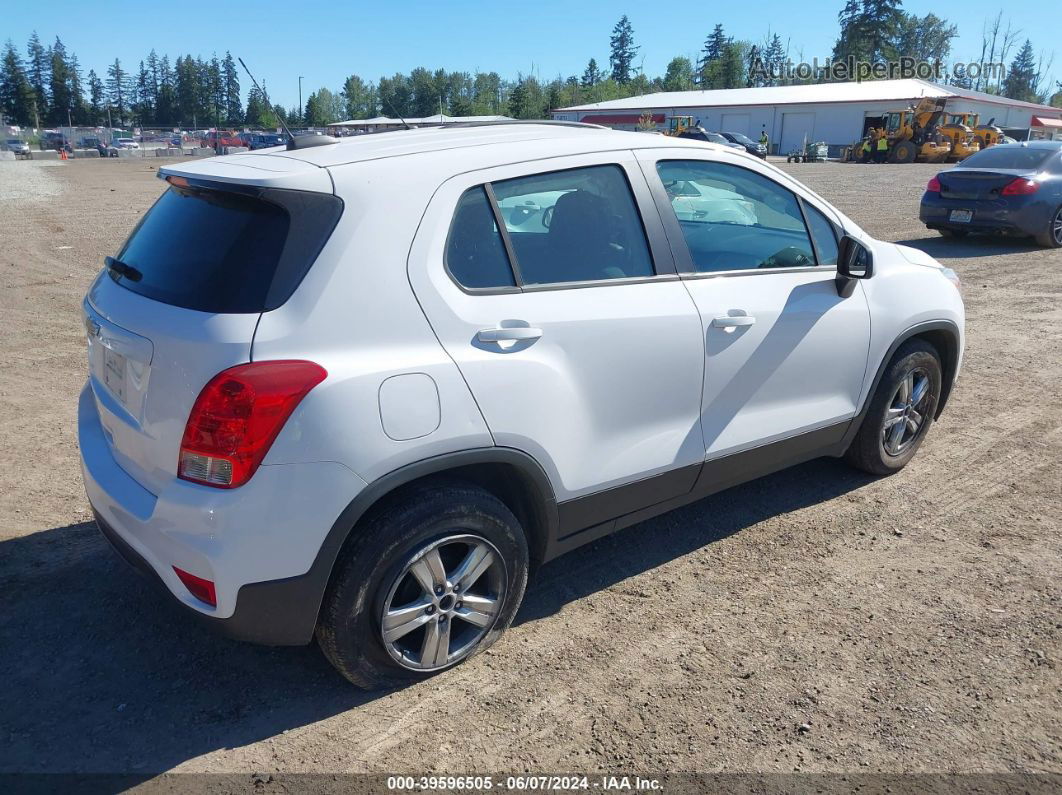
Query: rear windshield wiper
column 122, row 269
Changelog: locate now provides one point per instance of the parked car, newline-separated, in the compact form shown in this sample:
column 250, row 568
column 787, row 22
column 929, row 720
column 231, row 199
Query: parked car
column 1009, row 188
column 701, row 134
column 754, row 148
column 117, row 144
column 18, row 147
column 432, row 362
column 212, row 140
column 261, row 140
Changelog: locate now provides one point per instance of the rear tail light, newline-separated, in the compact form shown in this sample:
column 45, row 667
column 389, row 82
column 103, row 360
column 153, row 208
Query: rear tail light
column 933, row 186
column 1021, row 187
column 238, row 415
column 201, row 589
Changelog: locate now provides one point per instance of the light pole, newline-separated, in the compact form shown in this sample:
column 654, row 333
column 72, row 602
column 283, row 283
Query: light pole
column 300, row 97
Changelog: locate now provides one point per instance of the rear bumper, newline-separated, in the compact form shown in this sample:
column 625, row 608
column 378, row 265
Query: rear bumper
column 258, row 544
column 1021, row 215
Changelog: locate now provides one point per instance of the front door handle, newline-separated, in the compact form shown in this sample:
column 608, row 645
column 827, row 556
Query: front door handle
column 731, row 321
column 509, row 334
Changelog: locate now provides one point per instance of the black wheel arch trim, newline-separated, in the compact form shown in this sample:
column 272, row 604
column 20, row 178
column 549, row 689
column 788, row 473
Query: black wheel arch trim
column 949, row 365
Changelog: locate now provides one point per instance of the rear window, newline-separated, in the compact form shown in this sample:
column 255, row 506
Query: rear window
column 227, row 252
column 1009, row 156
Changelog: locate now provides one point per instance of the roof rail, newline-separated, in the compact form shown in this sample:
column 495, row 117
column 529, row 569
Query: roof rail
column 513, row 122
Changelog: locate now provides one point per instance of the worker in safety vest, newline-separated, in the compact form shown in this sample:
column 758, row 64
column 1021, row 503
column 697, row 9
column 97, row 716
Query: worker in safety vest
column 765, row 140
column 865, row 151
column 883, row 149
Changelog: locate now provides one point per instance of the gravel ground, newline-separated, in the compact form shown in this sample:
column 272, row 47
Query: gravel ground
column 815, row 620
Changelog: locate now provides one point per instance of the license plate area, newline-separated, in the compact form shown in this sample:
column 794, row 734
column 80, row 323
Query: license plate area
column 114, row 373
column 960, row 216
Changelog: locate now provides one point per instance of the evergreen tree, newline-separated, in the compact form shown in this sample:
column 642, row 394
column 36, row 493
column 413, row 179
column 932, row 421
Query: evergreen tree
column 61, row 107
column 1022, row 76
column 96, row 98
column 166, row 106
column 16, row 93
column 37, row 72
column 851, row 43
column 592, row 75
column 143, row 106
column 231, row 81
column 117, row 91
column 621, row 59
column 77, row 92
column 710, row 54
column 774, row 59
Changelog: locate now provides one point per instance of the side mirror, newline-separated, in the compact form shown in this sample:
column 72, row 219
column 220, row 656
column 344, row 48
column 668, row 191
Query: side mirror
column 854, row 261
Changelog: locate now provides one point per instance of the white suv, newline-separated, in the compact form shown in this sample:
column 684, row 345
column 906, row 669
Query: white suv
column 362, row 388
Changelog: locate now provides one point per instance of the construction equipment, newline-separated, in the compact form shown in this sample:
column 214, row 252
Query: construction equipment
column 911, row 133
column 959, row 133
column 679, row 124
column 986, row 134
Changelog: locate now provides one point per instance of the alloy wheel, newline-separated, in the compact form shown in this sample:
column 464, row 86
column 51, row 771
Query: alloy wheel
column 1056, row 227
column 444, row 601
column 907, row 412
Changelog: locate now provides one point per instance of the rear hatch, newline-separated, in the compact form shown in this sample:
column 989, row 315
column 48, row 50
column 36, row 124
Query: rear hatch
column 225, row 242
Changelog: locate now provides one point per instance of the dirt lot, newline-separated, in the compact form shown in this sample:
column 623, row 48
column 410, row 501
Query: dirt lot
column 909, row 624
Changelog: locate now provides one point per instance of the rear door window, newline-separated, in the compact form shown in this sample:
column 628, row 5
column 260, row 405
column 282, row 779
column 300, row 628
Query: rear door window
column 578, row 225
column 223, row 251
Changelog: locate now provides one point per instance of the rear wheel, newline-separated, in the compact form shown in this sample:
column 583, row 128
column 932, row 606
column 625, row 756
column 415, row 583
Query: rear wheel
column 900, row 412
column 428, row 582
column 1052, row 236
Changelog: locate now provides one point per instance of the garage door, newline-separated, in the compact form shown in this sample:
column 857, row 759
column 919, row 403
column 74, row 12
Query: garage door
column 795, row 126
column 735, row 122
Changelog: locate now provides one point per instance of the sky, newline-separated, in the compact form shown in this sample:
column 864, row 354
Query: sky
column 326, row 42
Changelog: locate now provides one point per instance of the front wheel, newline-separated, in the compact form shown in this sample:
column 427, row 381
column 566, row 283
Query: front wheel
column 900, row 411
column 427, row 582
column 1052, row 236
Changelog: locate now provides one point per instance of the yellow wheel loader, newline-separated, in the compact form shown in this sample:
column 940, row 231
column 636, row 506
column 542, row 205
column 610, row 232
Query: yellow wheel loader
column 959, row 134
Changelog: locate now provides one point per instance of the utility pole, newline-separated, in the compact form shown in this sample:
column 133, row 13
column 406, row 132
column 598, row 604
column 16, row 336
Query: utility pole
column 300, row 97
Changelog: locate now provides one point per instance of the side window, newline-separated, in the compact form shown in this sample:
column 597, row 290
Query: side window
column 824, row 233
column 735, row 219
column 475, row 253
column 576, row 225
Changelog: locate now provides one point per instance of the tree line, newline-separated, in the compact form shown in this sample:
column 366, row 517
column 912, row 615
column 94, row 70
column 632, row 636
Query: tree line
column 47, row 87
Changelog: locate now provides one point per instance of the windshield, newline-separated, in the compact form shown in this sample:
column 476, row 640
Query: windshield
column 1015, row 157
column 744, row 139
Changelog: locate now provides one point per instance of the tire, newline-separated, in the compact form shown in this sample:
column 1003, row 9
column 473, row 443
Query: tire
column 953, row 232
column 904, row 152
column 873, row 450
column 443, row 524
column 1051, row 237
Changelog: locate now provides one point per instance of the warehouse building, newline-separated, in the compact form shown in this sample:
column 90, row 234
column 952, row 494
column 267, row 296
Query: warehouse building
column 837, row 113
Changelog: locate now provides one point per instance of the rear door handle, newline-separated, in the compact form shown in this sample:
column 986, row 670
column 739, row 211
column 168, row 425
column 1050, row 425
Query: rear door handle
column 509, row 334
column 731, row 321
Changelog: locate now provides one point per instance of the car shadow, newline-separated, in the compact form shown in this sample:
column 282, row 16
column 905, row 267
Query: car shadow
column 942, row 248
column 645, row 546
column 103, row 674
